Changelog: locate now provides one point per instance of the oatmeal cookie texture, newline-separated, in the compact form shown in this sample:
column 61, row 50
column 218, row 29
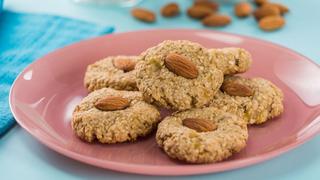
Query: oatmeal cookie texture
column 115, row 125
column 181, row 142
column 265, row 103
column 231, row 60
column 178, row 85
column 115, row 71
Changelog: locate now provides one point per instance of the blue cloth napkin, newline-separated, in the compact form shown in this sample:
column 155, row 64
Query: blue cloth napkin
column 1, row 4
column 26, row 37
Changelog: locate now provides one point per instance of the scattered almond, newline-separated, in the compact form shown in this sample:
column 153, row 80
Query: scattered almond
column 260, row 2
column 236, row 89
column 282, row 8
column 199, row 12
column 206, row 9
column 143, row 15
column 200, row 125
column 271, row 23
column 206, row 3
column 112, row 103
column 242, row 9
column 216, row 20
column 266, row 10
column 170, row 10
column 181, row 66
column 124, row 64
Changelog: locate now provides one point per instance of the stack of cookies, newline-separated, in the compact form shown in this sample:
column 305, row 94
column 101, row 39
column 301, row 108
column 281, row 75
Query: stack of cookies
column 212, row 105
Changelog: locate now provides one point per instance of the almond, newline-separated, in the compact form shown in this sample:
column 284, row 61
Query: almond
column 143, row 15
column 282, row 8
column 124, row 64
column 111, row 103
column 216, row 20
column 200, row 125
column 242, row 9
column 206, row 3
column 266, row 10
column 170, row 10
column 271, row 23
column 181, row 66
column 199, row 12
column 260, row 2
column 236, row 89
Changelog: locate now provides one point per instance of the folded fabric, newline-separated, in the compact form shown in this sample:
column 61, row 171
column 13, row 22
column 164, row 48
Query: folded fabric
column 26, row 37
column 1, row 4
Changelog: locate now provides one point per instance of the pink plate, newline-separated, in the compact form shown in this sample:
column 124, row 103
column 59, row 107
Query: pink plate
column 43, row 97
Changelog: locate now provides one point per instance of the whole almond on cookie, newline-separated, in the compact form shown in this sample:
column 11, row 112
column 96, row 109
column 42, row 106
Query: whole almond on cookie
column 207, row 3
column 200, row 125
column 124, row 64
column 266, row 10
column 236, row 89
column 181, row 66
column 242, row 9
column 216, row 20
column 112, row 103
column 199, row 12
column 143, row 15
column 271, row 23
column 170, row 10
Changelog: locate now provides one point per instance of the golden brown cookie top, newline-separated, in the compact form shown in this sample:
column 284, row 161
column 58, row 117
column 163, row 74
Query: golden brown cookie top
column 265, row 101
column 112, row 116
column 231, row 60
column 178, row 75
column 117, row 72
column 202, row 135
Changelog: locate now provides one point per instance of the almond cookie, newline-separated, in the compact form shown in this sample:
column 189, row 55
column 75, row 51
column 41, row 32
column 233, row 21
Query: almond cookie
column 202, row 135
column 178, row 75
column 231, row 60
column 254, row 99
column 113, row 116
column 115, row 71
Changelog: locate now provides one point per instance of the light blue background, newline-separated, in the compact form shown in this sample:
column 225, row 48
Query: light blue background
column 21, row 156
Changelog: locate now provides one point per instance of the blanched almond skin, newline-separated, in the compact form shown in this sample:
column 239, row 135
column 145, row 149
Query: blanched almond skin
column 266, row 10
column 170, row 10
column 199, row 12
column 124, row 64
column 271, row 23
column 210, row 4
column 242, row 9
column 112, row 103
column 181, row 66
column 236, row 89
column 199, row 125
column 143, row 15
column 216, row 20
